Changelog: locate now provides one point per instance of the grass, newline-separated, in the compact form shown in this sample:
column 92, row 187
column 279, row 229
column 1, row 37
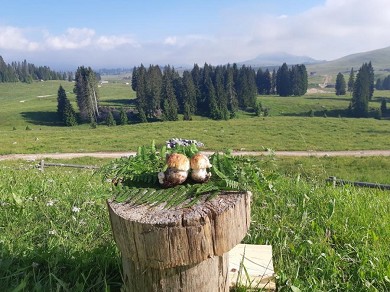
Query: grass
column 364, row 169
column 288, row 128
column 55, row 231
column 55, row 234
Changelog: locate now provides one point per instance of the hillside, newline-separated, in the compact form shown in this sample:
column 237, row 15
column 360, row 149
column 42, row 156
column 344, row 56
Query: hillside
column 380, row 60
column 277, row 59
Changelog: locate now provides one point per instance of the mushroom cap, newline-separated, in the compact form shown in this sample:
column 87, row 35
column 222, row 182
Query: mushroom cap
column 178, row 161
column 199, row 161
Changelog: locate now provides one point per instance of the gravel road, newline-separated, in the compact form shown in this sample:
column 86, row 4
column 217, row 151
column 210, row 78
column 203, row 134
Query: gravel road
column 351, row 153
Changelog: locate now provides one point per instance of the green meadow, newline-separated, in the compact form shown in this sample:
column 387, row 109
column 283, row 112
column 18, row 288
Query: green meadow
column 55, row 231
column 54, row 228
column 289, row 126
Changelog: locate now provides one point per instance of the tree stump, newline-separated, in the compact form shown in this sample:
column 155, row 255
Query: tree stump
column 179, row 249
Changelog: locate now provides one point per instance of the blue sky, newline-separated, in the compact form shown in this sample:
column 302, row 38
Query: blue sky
column 119, row 33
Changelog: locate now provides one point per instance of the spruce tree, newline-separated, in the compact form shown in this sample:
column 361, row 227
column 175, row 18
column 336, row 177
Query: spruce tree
column 69, row 115
column 351, row 81
column 371, row 79
column 65, row 110
column 361, row 92
column 267, row 82
column 340, row 84
column 141, row 90
column 123, row 119
column 384, row 106
column 283, row 86
column 231, row 91
column 188, row 96
column 87, row 94
column 221, row 96
column 61, row 101
column 153, row 85
column 170, row 105
column 379, row 84
column 110, row 121
column 260, row 81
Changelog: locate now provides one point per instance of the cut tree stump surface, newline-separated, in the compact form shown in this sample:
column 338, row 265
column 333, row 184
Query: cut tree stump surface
column 164, row 238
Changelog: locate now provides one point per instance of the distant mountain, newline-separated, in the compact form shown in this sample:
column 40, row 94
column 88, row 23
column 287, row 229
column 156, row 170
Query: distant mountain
column 277, row 59
column 380, row 60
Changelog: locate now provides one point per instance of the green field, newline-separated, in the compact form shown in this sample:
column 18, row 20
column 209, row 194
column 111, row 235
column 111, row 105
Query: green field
column 55, row 232
column 288, row 127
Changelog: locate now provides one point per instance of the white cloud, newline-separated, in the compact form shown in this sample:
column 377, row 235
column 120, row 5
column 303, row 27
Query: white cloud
column 12, row 38
column 111, row 42
column 74, row 38
column 335, row 29
column 171, row 40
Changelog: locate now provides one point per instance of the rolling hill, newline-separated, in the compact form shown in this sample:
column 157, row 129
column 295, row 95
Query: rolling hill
column 380, row 60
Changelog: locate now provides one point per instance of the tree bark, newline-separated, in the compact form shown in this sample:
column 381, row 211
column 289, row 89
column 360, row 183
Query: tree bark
column 179, row 249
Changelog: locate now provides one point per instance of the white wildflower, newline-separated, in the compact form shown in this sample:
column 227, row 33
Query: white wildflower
column 52, row 232
column 75, row 209
column 51, row 202
column 34, row 265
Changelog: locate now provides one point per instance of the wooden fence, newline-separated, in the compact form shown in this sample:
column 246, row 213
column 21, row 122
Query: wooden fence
column 341, row 182
column 43, row 164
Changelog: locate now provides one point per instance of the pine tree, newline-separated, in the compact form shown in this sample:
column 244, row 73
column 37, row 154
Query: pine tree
column 110, row 121
column 340, row 84
column 170, row 105
column 188, row 96
column 123, row 119
column 384, row 106
column 221, row 96
column 65, row 110
column 196, row 78
column 379, row 84
column 61, row 101
column 267, row 82
column 134, row 78
column 141, row 90
column 231, row 91
column 246, row 87
column 69, row 115
column 386, row 83
column 361, row 92
column 87, row 94
column 273, row 82
column 153, row 84
column 260, row 81
column 283, row 86
column 371, row 79
column 351, row 81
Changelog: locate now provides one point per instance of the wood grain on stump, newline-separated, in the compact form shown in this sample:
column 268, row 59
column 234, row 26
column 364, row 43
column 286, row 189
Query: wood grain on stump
column 179, row 249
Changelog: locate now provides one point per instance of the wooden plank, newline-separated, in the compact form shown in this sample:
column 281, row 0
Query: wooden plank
column 251, row 266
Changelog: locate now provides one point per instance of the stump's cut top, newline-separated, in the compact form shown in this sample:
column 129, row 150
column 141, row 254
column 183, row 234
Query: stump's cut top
column 163, row 238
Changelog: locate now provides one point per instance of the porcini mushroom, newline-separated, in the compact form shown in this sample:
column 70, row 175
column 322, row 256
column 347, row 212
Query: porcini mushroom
column 199, row 165
column 177, row 171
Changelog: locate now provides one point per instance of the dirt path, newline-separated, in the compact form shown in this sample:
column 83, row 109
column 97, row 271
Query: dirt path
column 351, row 153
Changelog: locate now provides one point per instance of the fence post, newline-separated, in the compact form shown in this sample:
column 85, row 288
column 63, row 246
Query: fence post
column 42, row 165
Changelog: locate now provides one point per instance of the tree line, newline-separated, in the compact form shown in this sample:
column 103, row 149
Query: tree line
column 383, row 84
column 162, row 94
column 27, row 72
column 217, row 92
